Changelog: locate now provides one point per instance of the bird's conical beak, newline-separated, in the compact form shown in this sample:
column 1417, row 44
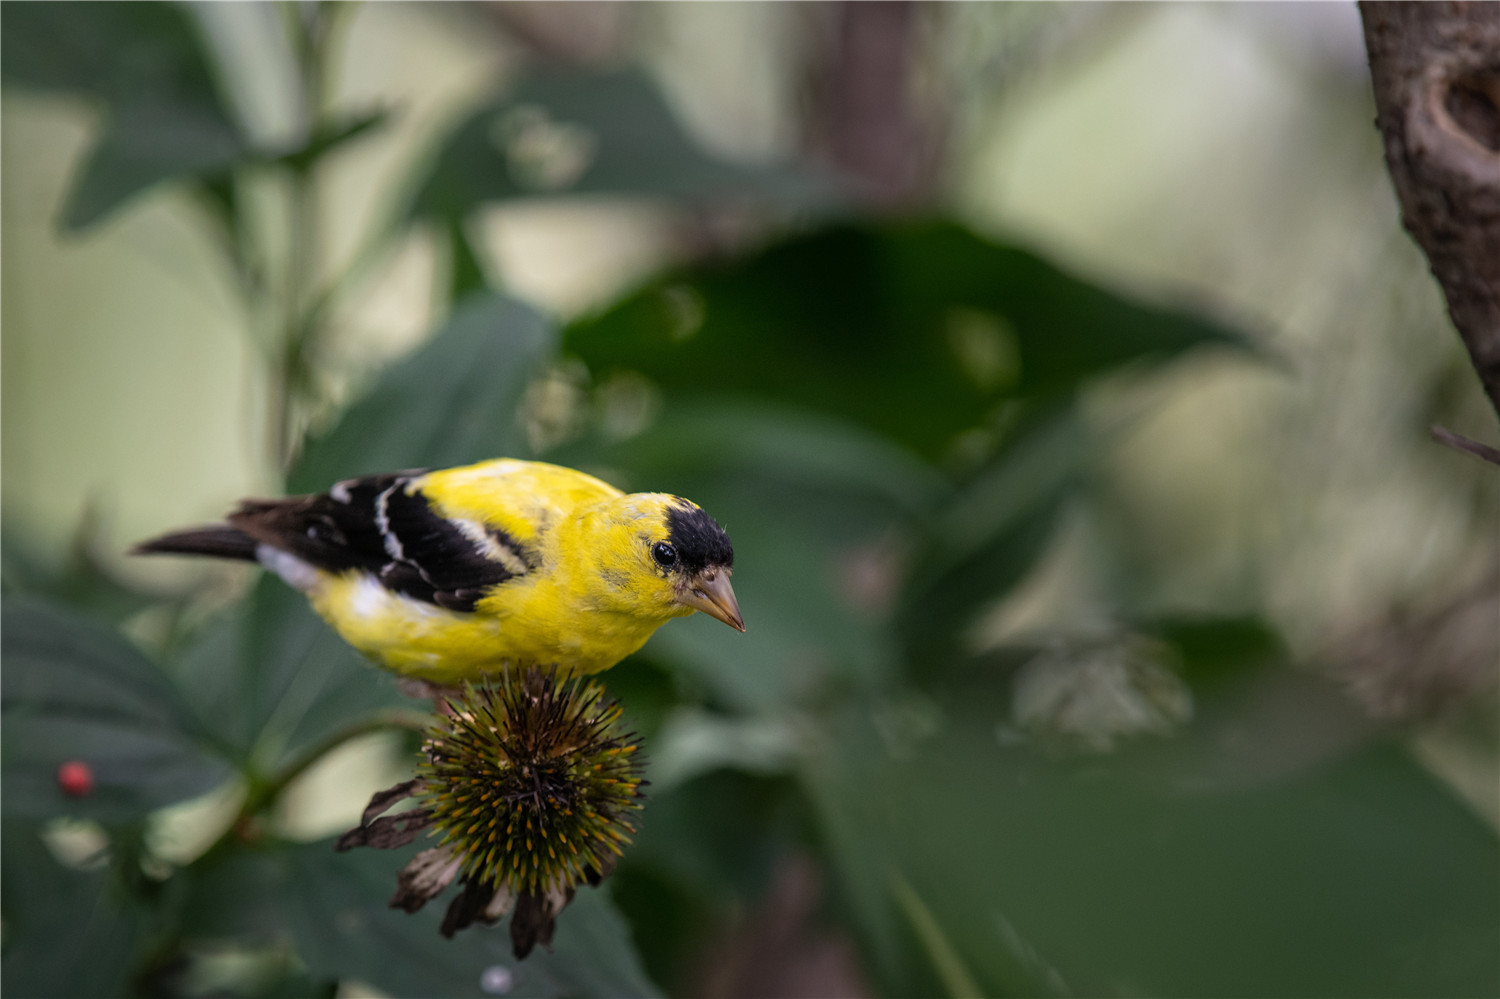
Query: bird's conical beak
column 710, row 592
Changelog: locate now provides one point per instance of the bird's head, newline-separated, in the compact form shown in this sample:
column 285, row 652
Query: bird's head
column 663, row 556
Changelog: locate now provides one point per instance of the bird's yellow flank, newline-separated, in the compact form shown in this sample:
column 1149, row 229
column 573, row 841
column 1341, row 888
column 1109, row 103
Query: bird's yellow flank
column 447, row 575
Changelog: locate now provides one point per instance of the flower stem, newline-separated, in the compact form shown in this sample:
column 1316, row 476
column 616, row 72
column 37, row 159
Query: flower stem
column 264, row 793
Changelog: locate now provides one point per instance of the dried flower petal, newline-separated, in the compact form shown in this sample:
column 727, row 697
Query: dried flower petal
column 393, row 830
column 536, row 919
column 424, row 878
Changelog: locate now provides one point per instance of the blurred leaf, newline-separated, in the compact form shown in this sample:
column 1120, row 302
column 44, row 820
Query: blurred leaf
column 107, row 50
column 571, row 131
column 68, row 933
column 80, row 578
column 647, row 693
column 706, row 853
column 914, row 330
column 452, row 402
column 693, row 742
column 1213, row 650
column 721, row 833
column 990, row 533
column 466, row 272
column 753, row 438
column 147, row 64
column 305, row 681
column 142, row 145
column 1272, row 859
column 333, row 909
column 935, row 620
column 74, row 690
column 276, row 679
column 668, row 921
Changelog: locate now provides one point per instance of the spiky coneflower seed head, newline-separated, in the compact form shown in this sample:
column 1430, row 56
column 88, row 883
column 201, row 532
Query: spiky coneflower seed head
column 532, row 783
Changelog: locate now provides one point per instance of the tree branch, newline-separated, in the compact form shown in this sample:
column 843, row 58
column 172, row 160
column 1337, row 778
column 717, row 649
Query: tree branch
column 1436, row 72
column 864, row 116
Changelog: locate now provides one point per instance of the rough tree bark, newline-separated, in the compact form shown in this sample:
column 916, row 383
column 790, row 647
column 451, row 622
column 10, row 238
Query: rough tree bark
column 1436, row 72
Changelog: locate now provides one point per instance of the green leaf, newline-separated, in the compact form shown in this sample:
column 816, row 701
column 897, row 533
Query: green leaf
column 990, row 533
column 146, row 63
column 454, row 401
column 696, row 439
column 74, row 690
column 141, row 146
column 68, row 933
column 917, row 331
column 707, row 852
column 466, row 271
column 1214, row 650
column 80, row 578
column 276, row 679
column 333, row 909
column 1275, row 849
column 106, row 50
column 570, row 131
column 1066, row 330
column 720, row 833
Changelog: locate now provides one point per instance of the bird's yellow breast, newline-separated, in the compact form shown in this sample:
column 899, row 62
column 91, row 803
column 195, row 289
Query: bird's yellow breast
column 411, row 637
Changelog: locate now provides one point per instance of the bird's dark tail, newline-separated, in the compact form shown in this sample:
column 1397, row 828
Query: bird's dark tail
column 217, row 541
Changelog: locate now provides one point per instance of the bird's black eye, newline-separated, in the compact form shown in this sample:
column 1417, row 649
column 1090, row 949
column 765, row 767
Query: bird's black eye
column 665, row 554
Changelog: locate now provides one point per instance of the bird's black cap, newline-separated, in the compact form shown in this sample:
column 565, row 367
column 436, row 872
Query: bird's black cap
column 698, row 538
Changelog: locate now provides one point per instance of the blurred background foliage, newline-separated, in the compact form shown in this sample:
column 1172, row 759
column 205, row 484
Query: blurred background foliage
column 1061, row 373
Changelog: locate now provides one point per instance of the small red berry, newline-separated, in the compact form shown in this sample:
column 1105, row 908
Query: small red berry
column 75, row 779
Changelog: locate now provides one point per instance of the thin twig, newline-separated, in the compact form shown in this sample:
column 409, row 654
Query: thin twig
column 263, row 792
column 1459, row 442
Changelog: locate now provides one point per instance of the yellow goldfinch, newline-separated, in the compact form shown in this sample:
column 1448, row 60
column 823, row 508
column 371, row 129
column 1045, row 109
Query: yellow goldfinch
column 444, row 576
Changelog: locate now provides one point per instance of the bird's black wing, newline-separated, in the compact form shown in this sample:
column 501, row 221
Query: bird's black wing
column 380, row 525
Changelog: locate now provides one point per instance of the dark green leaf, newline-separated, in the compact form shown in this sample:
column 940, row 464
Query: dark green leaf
column 453, row 402
column 721, row 833
column 142, row 145
column 276, row 679
column 1283, row 853
column 1218, row 649
column 917, row 331
column 990, row 533
column 750, row 438
column 74, row 690
column 333, row 909
column 68, row 933
column 106, row 50
column 81, row 578
column 1065, row 329
column 567, row 131
column 707, row 851
column 466, row 273
column 146, row 63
